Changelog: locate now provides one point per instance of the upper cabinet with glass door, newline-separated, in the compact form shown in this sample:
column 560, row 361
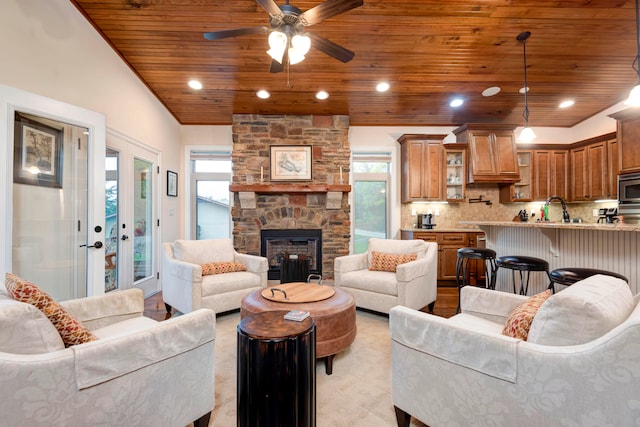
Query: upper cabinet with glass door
column 455, row 163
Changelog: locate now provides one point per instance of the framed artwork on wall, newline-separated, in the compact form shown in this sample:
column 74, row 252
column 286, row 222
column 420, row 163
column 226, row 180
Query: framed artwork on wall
column 37, row 153
column 172, row 183
column 290, row 162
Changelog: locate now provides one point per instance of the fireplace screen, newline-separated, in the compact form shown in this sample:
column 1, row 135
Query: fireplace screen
column 280, row 245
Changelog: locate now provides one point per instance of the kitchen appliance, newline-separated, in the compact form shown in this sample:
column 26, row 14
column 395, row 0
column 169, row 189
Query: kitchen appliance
column 607, row 215
column 425, row 221
column 629, row 197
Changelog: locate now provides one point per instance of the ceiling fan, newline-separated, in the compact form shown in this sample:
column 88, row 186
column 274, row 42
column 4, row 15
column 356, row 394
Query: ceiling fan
column 287, row 38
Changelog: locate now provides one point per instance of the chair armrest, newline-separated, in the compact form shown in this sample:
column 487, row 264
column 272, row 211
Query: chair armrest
column 489, row 304
column 108, row 358
column 411, row 270
column 102, row 310
column 254, row 263
column 346, row 263
column 486, row 352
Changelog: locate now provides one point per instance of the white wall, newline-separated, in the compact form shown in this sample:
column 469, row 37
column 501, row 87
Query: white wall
column 48, row 48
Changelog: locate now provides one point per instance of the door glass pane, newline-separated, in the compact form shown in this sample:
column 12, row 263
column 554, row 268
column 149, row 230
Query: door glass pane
column 50, row 199
column 212, row 209
column 370, row 213
column 143, row 219
column 111, row 220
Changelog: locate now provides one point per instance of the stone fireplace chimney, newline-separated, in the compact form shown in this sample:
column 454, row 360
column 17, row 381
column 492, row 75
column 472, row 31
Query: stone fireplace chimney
column 321, row 203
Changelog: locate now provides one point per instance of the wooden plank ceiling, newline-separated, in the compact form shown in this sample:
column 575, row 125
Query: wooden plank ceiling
column 428, row 50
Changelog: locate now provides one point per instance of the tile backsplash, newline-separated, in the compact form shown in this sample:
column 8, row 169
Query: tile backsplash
column 452, row 213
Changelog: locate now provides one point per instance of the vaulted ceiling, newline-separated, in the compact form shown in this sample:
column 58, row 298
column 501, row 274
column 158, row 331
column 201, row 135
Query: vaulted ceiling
column 428, row 50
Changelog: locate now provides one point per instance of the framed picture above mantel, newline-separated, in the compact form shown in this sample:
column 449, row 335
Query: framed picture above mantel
column 290, row 162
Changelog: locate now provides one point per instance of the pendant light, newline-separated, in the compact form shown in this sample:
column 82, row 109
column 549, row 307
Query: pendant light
column 634, row 95
column 527, row 134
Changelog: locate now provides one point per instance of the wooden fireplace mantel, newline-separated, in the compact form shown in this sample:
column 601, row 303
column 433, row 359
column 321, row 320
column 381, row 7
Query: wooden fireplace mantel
column 289, row 188
column 247, row 192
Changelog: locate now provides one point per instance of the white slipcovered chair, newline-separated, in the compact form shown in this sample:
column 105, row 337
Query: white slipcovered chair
column 186, row 289
column 138, row 372
column 580, row 365
column 414, row 284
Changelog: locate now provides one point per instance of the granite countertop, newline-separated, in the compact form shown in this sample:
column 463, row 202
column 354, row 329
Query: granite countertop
column 558, row 225
column 465, row 229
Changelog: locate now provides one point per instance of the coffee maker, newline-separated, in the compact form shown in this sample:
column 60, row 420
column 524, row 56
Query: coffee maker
column 425, row 221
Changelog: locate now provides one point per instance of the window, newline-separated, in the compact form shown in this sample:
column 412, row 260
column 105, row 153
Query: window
column 371, row 176
column 210, row 202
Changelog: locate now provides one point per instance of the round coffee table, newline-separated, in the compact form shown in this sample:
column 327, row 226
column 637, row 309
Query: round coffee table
column 334, row 316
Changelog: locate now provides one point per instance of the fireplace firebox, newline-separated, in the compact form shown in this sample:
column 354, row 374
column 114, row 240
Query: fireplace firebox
column 279, row 245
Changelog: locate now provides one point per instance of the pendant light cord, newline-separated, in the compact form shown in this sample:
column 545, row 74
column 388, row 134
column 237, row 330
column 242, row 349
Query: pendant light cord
column 637, row 58
column 525, row 113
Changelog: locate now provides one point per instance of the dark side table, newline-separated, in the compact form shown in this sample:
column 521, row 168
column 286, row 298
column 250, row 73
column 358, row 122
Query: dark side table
column 276, row 371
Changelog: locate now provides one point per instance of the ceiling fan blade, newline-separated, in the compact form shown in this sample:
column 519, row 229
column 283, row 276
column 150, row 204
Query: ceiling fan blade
column 225, row 34
column 270, row 6
column 327, row 9
column 331, row 48
column 276, row 67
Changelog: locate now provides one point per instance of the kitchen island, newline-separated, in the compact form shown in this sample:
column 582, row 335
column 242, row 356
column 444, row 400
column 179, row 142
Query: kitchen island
column 611, row 247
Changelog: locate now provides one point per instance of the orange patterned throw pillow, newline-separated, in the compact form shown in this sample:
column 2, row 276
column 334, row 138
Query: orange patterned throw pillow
column 222, row 267
column 71, row 330
column 381, row 261
column 520, row 319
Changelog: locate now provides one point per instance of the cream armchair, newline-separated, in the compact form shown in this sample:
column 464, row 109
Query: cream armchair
column 186, row 289
column 580, row 365
column 138, row 372
column 414, row 284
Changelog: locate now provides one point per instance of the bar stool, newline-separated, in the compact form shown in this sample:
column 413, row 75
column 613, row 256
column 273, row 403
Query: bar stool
column 569, row 276
column 524, row 265
column 488, row 258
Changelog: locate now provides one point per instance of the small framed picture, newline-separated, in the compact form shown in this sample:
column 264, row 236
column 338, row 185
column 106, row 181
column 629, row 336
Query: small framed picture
column 172, row 183
column 37, row 156
column 290, row 162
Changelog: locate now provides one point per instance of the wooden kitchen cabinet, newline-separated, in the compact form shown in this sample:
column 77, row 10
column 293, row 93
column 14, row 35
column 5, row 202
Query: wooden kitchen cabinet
column 589, row 174
column 422, row 157
column 523, row 190
column 613, row 168
column 448, row 245
column 492, row 152
column 628, row 135
column 551, row 174
column 455, row 180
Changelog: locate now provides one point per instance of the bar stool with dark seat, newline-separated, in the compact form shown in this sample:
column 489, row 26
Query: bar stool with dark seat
column 488, row 258
column 524, row 265
column 571, row 275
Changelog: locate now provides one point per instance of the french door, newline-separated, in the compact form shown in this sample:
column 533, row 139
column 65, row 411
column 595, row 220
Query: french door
column 131, row 215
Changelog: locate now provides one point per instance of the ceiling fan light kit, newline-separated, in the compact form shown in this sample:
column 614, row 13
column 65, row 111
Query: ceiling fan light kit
column 527, row 134
column 287, row 41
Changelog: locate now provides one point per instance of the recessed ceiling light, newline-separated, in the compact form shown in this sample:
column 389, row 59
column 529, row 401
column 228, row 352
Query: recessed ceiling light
column 322, row 94
column 263, row 94
column 566, row 104
column 456, row 102
column 194, row 84
column 522, row 89
column 382, row 87
column 490, row 91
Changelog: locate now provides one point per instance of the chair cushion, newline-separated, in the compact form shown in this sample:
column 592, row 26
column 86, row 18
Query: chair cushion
column 582, row 312
column 71, row 330
column 389, row 262
column 392, row 246
column 378, row 282
column 24, row 329
column 203, row 251
column 125, row 327
column 519, row 321
column 222, row 267
column 217, row 284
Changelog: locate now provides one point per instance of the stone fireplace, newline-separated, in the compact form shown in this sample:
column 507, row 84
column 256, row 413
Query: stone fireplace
column 320, row 204
column 278, row 245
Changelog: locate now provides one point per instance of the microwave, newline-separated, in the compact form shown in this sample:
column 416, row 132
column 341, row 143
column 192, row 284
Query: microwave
column 629, row 189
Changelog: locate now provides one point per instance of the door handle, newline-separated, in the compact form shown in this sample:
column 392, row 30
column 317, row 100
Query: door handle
column 97, row 245
column 124, row 237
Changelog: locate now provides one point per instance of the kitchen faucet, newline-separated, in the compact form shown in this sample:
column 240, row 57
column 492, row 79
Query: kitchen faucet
column 565, row 213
